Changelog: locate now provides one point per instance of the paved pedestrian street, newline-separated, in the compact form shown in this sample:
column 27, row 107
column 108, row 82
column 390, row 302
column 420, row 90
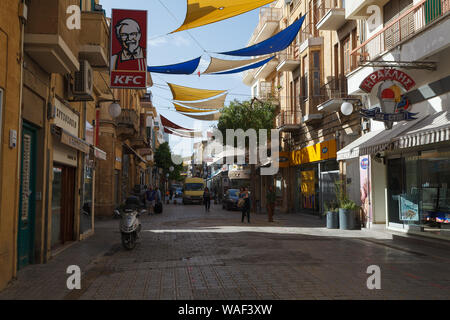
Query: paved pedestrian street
column 186, row 253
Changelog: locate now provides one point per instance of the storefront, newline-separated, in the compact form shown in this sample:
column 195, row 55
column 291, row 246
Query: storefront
column 66, row 149
column 316, row 171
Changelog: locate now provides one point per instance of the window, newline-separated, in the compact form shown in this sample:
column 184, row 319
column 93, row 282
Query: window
column 305, row 78
column 316, row 73
column 1, row 119
column 346, row 54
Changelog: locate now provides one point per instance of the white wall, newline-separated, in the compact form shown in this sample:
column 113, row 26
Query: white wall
column 378, row 194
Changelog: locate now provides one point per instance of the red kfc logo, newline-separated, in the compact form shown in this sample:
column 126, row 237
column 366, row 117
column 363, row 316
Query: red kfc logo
column 129, row 49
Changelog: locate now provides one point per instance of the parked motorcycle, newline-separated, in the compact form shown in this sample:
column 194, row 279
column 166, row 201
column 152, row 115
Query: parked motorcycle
column 130, row 226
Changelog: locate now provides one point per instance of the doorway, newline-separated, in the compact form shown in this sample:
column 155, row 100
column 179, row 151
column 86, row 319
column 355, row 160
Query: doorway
column 63, row 205
column 27, row 202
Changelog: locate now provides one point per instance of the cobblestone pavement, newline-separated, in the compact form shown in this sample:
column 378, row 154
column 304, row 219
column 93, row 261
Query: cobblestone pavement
column 186, row 253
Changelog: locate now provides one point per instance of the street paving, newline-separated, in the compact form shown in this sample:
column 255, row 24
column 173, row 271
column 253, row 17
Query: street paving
column 187, row 253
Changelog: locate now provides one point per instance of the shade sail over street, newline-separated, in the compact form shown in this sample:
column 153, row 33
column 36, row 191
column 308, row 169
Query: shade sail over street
column 180, row 108
column 169, row 124
column 253, row 66
column 203, row 12
column 215, row 103
column 220, row 65
column 206, row 117
column 187, row 67
column 278, row 42
column 181, row 93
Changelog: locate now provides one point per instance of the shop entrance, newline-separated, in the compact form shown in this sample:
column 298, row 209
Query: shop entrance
column 27, row 202
column 63, row 204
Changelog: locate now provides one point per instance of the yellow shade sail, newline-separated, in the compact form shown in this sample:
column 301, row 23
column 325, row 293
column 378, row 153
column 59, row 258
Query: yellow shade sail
column 189, row 110
column 203, row 12
column 181, row 93
column 219, row 65
column 206, row 117
column 215, row 103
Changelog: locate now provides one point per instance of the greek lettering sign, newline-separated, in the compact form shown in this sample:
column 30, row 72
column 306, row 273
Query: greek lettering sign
column 129, row 49
column 387, row 74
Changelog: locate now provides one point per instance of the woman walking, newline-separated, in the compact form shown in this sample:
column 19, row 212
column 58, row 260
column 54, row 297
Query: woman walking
column 246, row 204
column 207, row 199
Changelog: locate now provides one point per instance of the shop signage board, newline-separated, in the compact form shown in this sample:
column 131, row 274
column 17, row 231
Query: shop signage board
column 65, row 118
column 129, row 49
column 392, row 83
column 74, row 142
column 409, row 211
column 322, row 151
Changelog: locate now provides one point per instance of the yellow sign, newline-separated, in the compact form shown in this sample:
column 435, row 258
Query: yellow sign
column 284, row 159
column 318, row 152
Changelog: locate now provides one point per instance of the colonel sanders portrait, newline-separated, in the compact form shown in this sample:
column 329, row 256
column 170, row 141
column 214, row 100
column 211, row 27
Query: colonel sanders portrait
column 131, row 56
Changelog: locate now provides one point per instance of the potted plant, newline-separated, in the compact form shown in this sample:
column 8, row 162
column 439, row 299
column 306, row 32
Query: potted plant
column 347, row 209
column 332, row 213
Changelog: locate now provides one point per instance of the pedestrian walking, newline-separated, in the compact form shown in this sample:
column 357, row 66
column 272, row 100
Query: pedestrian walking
column 271, row 198
column 245, row 204
column 207, row 199
column 158, row 200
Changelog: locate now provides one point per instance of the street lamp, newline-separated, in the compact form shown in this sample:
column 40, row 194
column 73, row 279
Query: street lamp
column 114, row 109
column 347, row 108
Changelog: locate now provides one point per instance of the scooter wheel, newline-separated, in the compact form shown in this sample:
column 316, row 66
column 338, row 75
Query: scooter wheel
column 128, row 241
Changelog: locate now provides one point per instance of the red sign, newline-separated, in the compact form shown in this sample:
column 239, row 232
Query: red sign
column 387, row 74
column 129, row 49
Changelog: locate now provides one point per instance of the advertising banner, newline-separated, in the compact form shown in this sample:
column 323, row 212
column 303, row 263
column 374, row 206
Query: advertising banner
column 129, row 49
column 365, row 187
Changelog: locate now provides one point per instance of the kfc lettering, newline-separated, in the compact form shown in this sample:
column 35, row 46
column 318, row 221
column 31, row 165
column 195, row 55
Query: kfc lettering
column 387, row 74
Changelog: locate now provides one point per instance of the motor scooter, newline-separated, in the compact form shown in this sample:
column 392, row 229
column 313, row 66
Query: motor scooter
column 130, row 226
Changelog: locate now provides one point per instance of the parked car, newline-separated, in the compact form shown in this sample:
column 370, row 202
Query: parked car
column 230, row 199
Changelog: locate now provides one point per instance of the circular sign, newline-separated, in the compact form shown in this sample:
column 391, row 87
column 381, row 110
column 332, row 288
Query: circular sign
column 365, row 163
column 325, row 150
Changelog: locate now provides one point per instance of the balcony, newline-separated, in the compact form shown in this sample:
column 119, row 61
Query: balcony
column 128, row 124
column 267, row 92
column 288, row 120
column 357, row 9
column 264, row 71
column 404, row 28
column 94, row 40
column 269, row 21
column 141, row 141
column 309, row 36
column 289, row 59
column 331, row 15
column 333, row 94
column 48, row 40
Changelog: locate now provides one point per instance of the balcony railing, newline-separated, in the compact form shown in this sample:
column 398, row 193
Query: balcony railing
column 407, row 25
column 290, row 53
column 308, row 31
column 336, row 88
column 288, row 118
column 326, row 6
column 267, row 92
column 129, row 118
column 266, row 15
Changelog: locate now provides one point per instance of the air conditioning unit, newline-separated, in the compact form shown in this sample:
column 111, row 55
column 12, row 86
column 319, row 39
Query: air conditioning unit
column 84, row 82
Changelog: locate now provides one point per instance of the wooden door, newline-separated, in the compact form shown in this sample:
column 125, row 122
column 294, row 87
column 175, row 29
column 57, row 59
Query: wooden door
column 68, row 204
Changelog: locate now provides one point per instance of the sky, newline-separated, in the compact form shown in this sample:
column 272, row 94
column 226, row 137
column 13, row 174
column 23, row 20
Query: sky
column 165, row 48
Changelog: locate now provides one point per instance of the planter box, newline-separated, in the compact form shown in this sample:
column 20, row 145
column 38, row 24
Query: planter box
column 346, row 219
column 332, row 220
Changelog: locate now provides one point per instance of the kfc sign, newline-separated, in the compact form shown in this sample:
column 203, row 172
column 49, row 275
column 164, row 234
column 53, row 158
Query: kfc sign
column 129, row 49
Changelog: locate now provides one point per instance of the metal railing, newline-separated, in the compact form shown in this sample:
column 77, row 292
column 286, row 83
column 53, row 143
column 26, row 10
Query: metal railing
column 336, row 88
column 326, row 6
column 405, row 26
column 267, row 91
column 129, row 118
column 287, row 117
column 290, row 53
column 308, row 31
column 266, row 14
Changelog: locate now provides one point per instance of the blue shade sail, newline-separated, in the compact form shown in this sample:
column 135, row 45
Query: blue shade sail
column 187, row 67
column 278, row 42
column 252, row 66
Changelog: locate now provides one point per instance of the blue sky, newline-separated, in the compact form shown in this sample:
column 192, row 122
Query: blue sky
column 165, row 48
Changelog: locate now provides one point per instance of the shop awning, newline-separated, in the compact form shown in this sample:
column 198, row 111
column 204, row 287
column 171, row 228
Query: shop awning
column 132, row 151
column 433, row 129
column 353, row 149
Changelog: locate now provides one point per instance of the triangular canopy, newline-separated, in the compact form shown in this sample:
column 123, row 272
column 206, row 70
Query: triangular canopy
column 276, row 43
column 187, row 67
column 215, row 103
column 203, row 12
column 253, row 66
column 189, row 110
column 170, row 131
column 169, row 124
column 181, row 93
column 219, row 65
column 206, row 117
column 195, row 134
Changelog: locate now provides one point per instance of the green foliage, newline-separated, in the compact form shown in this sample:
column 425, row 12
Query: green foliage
column 247, row 115
column 163, row 159
column 331, row 206
column 343, row 201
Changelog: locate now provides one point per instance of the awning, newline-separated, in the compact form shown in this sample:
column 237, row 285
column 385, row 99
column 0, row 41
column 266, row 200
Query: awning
column 99, row 154
column 131, row 150
column 433, row 129
column 353, row 149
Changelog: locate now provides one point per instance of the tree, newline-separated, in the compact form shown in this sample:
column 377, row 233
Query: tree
column 252, row 114
column 163, row 160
